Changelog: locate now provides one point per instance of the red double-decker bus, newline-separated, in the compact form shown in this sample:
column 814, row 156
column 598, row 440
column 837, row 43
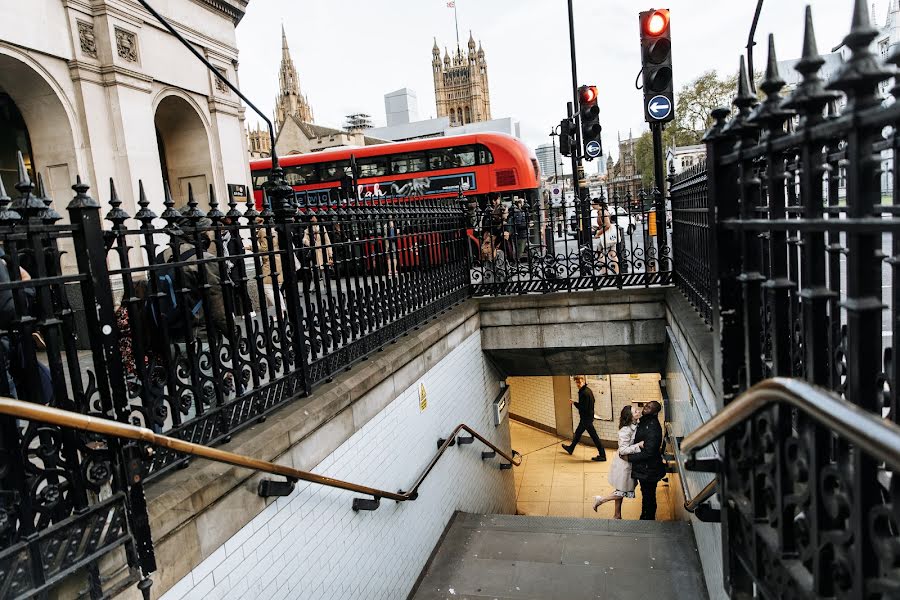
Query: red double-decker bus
column 480, row 164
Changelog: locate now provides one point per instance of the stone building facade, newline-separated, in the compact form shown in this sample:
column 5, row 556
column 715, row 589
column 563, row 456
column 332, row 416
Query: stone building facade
column 623, row 177
column 89, row 89
column 461, row 90
column 290, row 102
column 259, row 143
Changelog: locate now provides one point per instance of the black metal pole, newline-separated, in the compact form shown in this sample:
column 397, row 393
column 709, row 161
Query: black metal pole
column 752, row 42
column 218, row 75
column 659, row 176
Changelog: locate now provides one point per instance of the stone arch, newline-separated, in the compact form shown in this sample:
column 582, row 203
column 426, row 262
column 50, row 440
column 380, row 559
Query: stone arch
column 183, row 141
column 453, row 116
column 468, row 115
column 47, row 131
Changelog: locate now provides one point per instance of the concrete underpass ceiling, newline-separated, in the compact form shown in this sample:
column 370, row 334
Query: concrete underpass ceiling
column 532, row 362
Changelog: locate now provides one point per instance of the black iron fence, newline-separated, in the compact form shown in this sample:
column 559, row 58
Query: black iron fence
column 550, row 246
column 807, row 288
column 692, row 271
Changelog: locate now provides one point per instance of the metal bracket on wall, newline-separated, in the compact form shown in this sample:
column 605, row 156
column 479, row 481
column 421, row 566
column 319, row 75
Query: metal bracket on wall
column 461, row 440
column 269, row 488
column 488, row 454
column 703, row 465
column 415, row 496
column 441, row 441
column 708, row 514
column 366, row 504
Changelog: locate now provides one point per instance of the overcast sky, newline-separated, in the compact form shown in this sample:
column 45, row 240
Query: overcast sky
column 349, row 53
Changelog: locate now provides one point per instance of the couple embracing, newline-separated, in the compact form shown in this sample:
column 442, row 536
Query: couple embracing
column 639, row 458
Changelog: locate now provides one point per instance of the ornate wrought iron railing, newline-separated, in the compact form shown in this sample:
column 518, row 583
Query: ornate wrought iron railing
column 807, row 288
column 538, row 246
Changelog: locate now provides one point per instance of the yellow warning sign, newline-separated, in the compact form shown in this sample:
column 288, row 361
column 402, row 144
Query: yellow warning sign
column 423, row 398
column 651, row 223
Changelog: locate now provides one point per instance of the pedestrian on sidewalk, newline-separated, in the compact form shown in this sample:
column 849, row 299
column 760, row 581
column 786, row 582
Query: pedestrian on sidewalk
column 620, row 470
column 585, row 406
column 647, row 465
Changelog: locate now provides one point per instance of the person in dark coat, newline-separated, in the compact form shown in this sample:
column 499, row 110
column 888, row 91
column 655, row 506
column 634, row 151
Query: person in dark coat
column 585, row 406
column 647, row 465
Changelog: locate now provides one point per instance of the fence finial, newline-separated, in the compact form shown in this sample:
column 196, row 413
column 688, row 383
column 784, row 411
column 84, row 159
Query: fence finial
column 859, row 76
column 214, row 213
column 810, row 96
column 144, row 215
column 26, row 204
column 116, row 215
column 49, row 215
column 81, row 199
column 7, row 215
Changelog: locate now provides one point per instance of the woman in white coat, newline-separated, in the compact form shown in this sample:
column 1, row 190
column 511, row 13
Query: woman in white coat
column 620, row 469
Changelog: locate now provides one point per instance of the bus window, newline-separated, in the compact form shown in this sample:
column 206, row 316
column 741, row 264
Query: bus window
column 335, row 170
column 442, row 158
column 375, row 166
column 465, row 156
column 484, row 155
column 300, row 174
column 408, row 163
column 259, row 178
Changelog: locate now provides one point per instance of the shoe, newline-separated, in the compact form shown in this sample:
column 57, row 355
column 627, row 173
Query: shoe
column 599, row 458
column 597, row 502
column 569, row 449
column 39, row 343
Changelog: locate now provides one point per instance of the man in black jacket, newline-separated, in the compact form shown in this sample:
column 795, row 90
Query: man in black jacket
column 585, row 407
column 647, row 465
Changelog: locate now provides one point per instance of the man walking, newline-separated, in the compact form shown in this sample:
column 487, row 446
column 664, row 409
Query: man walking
column 647, row 465
column 585, row 406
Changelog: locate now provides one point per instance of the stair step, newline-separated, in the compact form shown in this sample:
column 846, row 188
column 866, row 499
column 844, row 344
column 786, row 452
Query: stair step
column 540, row 558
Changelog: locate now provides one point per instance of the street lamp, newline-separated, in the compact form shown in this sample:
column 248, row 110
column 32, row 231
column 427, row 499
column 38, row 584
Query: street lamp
column 553, row 134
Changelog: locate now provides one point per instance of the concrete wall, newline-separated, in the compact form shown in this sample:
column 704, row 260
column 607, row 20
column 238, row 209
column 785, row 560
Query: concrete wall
column 610, row 331
column 692, row 401
column 312, row 545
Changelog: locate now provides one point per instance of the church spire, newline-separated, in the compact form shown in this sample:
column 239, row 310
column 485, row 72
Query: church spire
column 290, row 102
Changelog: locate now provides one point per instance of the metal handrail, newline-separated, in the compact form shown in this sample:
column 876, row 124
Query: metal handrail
column 690, row 503
column 64, row 418
column 705, row 494
column 874, row 436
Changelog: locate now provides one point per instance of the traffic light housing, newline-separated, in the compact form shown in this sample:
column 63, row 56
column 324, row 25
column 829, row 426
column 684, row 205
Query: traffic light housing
column 589, row 112
column 566, row 137
column 656, row 65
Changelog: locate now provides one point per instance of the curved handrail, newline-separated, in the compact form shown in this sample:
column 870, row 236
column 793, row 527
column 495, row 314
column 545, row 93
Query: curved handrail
column 690, row 503
column 704, row 495
column 64, row 418
column 874, row 436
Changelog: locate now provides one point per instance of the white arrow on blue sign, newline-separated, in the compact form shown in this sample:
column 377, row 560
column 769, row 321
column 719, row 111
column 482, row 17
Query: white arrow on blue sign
column 659, row 107
column 592, row 149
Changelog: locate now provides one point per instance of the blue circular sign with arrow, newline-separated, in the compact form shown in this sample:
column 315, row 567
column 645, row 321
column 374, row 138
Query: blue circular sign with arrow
column 659, row 107
column 593, row 149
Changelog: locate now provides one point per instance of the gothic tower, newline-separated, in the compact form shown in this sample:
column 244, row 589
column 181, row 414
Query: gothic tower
column 290, row 101
column 461, row 85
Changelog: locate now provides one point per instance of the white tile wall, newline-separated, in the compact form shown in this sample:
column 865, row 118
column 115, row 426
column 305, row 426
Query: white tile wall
column 610, row 396
column 312, row 545
column 532, row 398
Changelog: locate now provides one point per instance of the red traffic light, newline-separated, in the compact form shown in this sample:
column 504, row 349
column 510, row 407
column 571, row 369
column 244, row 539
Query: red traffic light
column 657, row 22
column 588, row 94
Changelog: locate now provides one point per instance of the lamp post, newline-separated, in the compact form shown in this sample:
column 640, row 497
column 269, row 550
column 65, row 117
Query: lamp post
column 553, row 134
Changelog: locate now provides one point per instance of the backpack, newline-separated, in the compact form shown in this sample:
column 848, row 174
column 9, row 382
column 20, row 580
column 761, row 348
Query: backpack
column 487, row 218
column 167, row 308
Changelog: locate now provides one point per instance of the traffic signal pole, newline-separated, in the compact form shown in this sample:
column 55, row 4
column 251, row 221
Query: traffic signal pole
column 580, row 185
column 659, row 176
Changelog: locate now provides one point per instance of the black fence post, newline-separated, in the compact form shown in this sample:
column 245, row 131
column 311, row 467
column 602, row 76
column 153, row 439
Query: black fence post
column 96, row 289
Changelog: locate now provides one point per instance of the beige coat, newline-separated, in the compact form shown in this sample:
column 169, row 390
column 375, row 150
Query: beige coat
column 315, row 236
column 266, row 264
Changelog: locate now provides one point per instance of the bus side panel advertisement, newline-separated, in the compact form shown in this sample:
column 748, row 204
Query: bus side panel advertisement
column 418, row 187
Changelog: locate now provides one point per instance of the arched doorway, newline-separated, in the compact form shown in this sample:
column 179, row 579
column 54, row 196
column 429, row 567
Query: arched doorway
column 34, row 121
column 183, row 145
column 14, row 138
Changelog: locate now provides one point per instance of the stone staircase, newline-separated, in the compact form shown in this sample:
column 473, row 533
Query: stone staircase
column 502, row 557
